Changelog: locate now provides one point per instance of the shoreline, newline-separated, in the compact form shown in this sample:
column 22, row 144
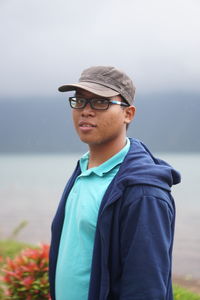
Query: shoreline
column 191, row 284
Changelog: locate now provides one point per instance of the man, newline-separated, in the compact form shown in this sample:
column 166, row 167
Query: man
column 112, row 235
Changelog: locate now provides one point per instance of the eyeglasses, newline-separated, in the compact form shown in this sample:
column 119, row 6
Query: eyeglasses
column 98, row 104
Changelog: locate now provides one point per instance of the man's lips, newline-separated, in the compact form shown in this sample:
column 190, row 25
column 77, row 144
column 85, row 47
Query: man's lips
column 86, row 127
column 84, row 124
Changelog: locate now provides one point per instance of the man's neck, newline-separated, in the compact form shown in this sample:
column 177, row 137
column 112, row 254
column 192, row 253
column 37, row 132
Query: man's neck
column 100, row 154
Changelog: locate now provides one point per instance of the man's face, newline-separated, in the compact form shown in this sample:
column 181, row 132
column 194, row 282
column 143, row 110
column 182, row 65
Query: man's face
column 104, row 127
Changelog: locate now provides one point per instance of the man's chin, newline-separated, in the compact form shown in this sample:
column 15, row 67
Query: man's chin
column 85, row 139
column 90, row 142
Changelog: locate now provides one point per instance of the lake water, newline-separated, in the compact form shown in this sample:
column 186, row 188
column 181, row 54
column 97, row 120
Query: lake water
column 31, row 186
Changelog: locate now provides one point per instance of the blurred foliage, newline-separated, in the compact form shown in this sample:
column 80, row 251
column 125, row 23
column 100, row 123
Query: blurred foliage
column 26, row 275
column 183, row 294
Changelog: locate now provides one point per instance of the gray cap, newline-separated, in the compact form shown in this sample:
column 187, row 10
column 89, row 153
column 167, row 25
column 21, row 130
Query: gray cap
column 104, row 81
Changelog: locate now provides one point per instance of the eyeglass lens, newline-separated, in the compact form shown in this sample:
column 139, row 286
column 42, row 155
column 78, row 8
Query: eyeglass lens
column 79, row 103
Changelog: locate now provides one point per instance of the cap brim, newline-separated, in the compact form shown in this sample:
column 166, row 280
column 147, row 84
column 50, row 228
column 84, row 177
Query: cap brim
column 92, row 87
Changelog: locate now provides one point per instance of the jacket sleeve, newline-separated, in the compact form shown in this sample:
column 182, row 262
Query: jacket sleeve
column 147, row 227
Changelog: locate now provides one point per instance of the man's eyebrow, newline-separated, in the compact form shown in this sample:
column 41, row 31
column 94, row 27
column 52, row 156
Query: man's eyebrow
column 79, row 94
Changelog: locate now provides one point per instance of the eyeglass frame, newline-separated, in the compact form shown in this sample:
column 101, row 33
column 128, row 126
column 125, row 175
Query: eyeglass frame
column 90, row 101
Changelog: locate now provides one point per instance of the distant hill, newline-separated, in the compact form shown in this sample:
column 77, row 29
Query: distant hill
column 165, row 122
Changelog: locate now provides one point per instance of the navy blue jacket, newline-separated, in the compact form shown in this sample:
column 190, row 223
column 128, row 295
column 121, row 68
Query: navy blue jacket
column 132, row 255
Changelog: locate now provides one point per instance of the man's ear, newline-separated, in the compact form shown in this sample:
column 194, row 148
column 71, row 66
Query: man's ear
column 129, row 114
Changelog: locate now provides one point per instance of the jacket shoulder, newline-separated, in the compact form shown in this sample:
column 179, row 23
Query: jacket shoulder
column 133, row 195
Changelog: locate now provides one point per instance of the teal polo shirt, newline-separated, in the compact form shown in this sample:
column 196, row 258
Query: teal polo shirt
column 78, row 233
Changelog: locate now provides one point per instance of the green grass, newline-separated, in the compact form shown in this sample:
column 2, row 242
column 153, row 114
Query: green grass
column 11, row 248
column 183, row 294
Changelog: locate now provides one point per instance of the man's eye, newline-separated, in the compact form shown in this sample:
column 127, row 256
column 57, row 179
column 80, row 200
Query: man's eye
column 79, row 101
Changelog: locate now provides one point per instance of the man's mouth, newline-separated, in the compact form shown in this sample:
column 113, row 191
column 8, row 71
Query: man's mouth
column 86, row 124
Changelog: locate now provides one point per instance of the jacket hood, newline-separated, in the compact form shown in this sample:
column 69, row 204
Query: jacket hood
column 141, row 167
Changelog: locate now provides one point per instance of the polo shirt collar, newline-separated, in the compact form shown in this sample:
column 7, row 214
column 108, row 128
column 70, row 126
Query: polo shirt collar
column 107, row 165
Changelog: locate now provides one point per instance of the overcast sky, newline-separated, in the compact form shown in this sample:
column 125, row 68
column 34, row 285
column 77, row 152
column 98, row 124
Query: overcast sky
column 46, row 43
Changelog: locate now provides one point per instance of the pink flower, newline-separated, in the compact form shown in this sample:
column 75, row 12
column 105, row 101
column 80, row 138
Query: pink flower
column 27, row 274
column 28, row 281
